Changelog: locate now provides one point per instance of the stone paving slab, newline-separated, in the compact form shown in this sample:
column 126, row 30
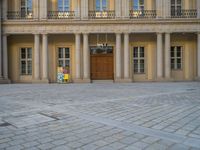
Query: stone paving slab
column 150, row 116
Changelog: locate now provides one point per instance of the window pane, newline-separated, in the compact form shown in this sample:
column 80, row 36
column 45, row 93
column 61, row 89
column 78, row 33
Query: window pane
column 29, row 5
column 67, row 63
column 23, row 67
column 23, row 53
column 135, row 4
column 29, row 67
column 60, row 53
column 104, row 4
column 179, row 61
column 29, row 53
column 67, row 55
column 60, row 63
column 98, row 5
column 135, row 55
column 179, row 66
column 141, row 2
column 172, row 2
column 141, row 51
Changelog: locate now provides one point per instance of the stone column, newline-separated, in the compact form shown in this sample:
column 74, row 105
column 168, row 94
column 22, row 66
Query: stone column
column 5, row 57
column 4, row 9
column 159, row 56
column 45, row 58
column 84, row 9
column 37, row 57
column 198, row 55
column 159, row 8
column 167, row 56
column 43, row 9
column 78, row 56
column 166, row 8
column 77, row 9
column 35, row 9
column 126, row 57
column 125, row 9
column 118, row 8
column 86, row 58
column 118, row 56
column 198, row 9
column 0, row 45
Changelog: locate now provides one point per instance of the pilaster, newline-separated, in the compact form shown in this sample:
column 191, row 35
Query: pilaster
column 198, row 56
column 118, row 57
column 45, row 57
column 159, row 56
column 167, row 56
column 86, row 58
column 78, row 56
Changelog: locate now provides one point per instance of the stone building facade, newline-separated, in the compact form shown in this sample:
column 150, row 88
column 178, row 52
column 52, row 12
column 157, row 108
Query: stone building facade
column 117, row 40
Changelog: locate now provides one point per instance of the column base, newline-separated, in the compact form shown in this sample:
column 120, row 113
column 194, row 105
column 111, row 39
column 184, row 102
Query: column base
column 86, row 81
column 4, row 81
column 36, row 81
column 78, row 81
column 197, row 79
column 119, row 80
column 44, row 81
column 127, row 80
column 161, row 79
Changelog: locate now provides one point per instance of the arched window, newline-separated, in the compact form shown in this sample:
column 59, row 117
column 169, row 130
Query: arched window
column 101, row 5
column 63, row 5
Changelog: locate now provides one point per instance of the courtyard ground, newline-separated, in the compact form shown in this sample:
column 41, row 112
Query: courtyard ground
column 150, row 116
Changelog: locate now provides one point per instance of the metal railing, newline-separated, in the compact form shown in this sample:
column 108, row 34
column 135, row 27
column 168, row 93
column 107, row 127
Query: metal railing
column 61, row 14
column 17, row 15
column 139, row 14
column 108, row 14
column 191, row 13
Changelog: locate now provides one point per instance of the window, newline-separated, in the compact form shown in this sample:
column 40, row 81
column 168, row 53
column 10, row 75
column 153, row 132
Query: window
column 138, row 59
column 175, row 7
column 138, row 4
column 63, row 5
column 101, row 5
column 26, row 61
column 26, row 8
column 64, row 57
column 176, row 57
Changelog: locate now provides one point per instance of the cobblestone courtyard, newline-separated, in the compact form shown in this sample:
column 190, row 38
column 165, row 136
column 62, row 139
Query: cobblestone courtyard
column 151, row 116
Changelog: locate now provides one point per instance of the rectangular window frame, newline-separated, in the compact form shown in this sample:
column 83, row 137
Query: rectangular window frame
column 101, row 6
column 65, row 6
column 139, row 6
column 138, row 58
column 26, row 60
column 64, row 59
column 174, row 66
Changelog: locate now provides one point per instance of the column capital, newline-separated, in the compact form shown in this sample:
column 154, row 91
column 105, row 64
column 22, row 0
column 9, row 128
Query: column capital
column 85, row 33
column 126, row 32
column 77, row 33
column 159, row 33
column 5, row 34
column 118, row 33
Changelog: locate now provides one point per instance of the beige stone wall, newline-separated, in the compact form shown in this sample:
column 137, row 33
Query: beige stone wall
column 148, row 41
column 189, row 69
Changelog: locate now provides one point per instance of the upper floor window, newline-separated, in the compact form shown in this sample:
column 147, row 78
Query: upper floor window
column 101, row 5
column 176, row 7
column 63, row 5
column 26, row 6
column 138, row 4
column 176, row 57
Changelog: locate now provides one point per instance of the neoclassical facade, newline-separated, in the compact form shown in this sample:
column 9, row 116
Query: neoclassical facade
column 117, row 40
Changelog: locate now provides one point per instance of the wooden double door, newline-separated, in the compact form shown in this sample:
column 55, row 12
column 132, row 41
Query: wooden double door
column 102, row 66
